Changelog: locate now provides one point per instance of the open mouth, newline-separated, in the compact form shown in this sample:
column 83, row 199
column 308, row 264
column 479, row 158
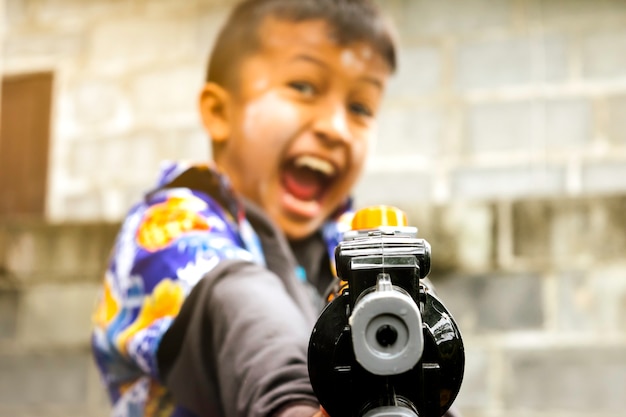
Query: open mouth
column 308, row 178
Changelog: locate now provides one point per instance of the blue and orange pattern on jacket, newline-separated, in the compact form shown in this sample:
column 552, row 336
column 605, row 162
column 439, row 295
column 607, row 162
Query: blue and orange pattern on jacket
column 166, row 244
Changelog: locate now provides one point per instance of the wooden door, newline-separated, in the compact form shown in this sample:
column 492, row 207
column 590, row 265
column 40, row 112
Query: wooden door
column 24, row 144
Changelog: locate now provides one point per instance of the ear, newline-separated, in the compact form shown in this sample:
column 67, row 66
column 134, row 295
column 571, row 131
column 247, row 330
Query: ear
column 214, row 111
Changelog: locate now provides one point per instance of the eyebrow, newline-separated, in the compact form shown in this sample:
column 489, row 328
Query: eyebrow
column 304, row 57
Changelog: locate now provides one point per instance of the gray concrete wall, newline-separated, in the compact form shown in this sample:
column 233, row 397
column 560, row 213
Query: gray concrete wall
column 127, row 77
column 538, row 288
column 49, row 279
column 502, row 136
column 503, row 99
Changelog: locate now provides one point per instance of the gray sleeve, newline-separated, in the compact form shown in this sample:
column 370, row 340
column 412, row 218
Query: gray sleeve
column 239, row 345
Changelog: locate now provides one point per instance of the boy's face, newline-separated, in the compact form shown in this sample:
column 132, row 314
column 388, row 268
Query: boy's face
column 293, row 136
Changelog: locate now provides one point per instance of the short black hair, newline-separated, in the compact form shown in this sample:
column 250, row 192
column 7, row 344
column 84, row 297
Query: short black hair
column 349, row 21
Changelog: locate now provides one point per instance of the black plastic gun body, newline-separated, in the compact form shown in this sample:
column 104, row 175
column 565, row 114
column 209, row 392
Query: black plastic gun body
column 385, row 345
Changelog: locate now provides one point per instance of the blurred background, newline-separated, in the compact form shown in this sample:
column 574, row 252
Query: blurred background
column 503, row 137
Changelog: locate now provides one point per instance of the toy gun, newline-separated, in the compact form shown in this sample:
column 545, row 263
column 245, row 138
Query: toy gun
column 385, row 345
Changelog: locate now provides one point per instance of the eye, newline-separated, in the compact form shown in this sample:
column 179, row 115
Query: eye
column 303, row 87
column 360, row 109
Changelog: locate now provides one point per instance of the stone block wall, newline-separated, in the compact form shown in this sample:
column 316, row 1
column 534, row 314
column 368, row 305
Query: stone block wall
column 502, row 136
column 538, row 288
column 503, row 100
column 127, row 75
column 49, row 278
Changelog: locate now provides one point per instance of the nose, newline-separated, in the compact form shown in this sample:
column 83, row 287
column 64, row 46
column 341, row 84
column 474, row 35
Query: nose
column 331, row 124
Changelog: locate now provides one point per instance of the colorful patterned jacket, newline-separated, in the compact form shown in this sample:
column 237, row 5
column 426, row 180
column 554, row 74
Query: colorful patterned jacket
column 167, row 243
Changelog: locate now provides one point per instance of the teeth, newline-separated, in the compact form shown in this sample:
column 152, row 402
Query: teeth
column 315, row 164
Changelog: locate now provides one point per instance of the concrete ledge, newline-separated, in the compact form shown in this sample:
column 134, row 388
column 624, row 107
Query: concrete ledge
column 36, row 252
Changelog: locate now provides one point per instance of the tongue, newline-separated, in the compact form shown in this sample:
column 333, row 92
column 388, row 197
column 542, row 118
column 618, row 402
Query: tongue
column 302, row 183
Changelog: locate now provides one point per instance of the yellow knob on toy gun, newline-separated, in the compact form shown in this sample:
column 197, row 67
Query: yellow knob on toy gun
column 376, row 216
column 370, row 218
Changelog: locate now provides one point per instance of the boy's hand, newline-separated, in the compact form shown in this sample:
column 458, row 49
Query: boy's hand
column 302, row 411
column 321, row 413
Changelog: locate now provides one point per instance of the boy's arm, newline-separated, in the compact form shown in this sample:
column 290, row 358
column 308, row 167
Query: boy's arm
column 238, row 347
column 162, row 250
column 301, row 411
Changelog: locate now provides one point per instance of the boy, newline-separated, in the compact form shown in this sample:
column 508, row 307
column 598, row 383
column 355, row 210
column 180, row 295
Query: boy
column 207, row 303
